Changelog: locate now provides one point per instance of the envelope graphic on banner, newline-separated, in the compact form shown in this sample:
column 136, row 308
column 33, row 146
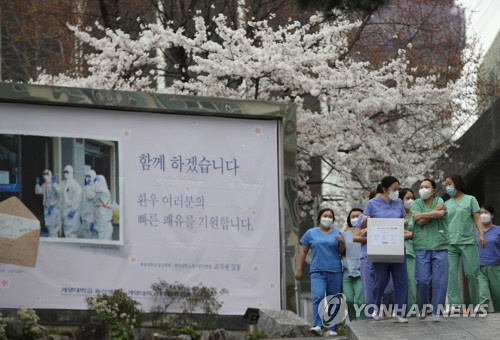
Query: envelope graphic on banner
column 19, row 233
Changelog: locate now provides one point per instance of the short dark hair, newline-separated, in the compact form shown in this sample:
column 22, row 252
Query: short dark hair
column 387, row 181
column 349, row 216
column 372, row 194
column 431, row 182
column 459, row 182
column 404, row 191
column 489, row 208
column 321, row 213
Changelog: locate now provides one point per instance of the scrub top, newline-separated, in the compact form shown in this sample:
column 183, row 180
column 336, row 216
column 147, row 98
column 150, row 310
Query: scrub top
column 434, row 234
column 409, row 244
column 378, row 208
column 351, row 262
column 325, row 250
column 490, row 255
column 460, row 218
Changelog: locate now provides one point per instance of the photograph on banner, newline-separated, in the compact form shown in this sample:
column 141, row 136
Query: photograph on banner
column 69, row 183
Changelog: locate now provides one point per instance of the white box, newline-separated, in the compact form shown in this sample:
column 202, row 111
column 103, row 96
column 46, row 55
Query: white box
column 386, row 240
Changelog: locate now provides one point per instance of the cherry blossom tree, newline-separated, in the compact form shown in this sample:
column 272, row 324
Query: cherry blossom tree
column 363, row 120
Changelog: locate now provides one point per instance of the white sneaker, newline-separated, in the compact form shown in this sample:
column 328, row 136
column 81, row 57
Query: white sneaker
column 316, row 330
column 332, row 333
column 400, row 319
column 376, row 317
column 436, row 318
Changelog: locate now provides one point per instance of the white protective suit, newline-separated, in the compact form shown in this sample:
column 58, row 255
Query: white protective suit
column 87, row 209
column 50, row 192
column 103, row 210
column 71, row 197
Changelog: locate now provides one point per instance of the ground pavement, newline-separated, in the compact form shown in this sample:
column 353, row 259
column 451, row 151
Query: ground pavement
column 459, row 327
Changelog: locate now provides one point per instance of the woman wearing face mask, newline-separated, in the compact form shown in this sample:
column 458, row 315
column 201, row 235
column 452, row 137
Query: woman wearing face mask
column 408, row 198
column 366, row 268
column 387, row 206
column 431, row 243
column 463, row 214
column 351, row 283
column 327, row 244
column 489, row 260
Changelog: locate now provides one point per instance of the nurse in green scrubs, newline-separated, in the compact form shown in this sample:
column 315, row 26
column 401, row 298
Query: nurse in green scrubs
column 408, row 198
column 463, row 216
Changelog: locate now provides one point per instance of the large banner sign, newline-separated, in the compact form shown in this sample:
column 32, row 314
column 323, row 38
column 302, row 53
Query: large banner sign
column 187, row 198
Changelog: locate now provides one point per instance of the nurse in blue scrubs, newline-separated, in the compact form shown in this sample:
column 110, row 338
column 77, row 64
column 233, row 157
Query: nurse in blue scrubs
column 327, row 244
column 388, row 205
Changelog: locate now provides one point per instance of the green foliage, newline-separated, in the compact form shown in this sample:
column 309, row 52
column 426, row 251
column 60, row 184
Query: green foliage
column 197, row 299
column 3, row 325
column 119, row 310
column 191, row 331
column 257, row 335
column 31, row 328
column 367, row 6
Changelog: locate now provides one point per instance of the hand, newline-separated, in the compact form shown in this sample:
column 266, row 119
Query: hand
column 37, row 180
column 482, row 240
column 339, row 238
column 363, row 232
column 87, row 181
column 364, row 221
column 91, row 227
column 71, row 214
column 53, row 179
column 298, row 275
column 416, row 217
column 49, row 209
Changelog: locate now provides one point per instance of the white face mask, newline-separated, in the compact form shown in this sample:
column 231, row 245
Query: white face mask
column 408, row 204
column 46, row 178
column 326, row 222
column 393, row 195
column 425, row 193
column 486, row 218
column 353, row 221
column 66, row 175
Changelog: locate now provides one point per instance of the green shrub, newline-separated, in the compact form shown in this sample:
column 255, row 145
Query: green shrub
column 119, row 310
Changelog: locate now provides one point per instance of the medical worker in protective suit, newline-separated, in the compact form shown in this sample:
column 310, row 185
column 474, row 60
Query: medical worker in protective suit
column 71, row 197
column 103, row 210
column 50, row 192
column 87, row 209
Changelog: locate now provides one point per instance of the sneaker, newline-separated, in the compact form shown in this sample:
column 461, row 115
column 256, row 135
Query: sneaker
column 316, row 330
column 400, row 319
column 436, row 318
column 332, row 333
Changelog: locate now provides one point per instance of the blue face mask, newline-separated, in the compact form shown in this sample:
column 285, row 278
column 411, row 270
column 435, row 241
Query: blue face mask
column 451, row 190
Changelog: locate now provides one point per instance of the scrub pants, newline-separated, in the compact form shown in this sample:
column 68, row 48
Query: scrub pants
column 431, row 269
column 470, row 263
column 368, row 284
column 489, row 282
column 352, row 287
column 381, row 275
column 412, row 283
column 323, row 284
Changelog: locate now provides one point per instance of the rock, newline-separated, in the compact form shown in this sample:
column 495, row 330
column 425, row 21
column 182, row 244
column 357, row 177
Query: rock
column 94, row 329
column 184, row 337
column 14, row 328
column 282, row 323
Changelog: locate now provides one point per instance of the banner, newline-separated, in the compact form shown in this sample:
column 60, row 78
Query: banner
column 197, row 197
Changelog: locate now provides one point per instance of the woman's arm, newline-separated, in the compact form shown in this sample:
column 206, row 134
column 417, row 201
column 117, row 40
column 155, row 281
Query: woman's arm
column 358, row 235
column 408, row 235
column 423, row 218
column 302, row 255
column 479, row 225
column 339, row 238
